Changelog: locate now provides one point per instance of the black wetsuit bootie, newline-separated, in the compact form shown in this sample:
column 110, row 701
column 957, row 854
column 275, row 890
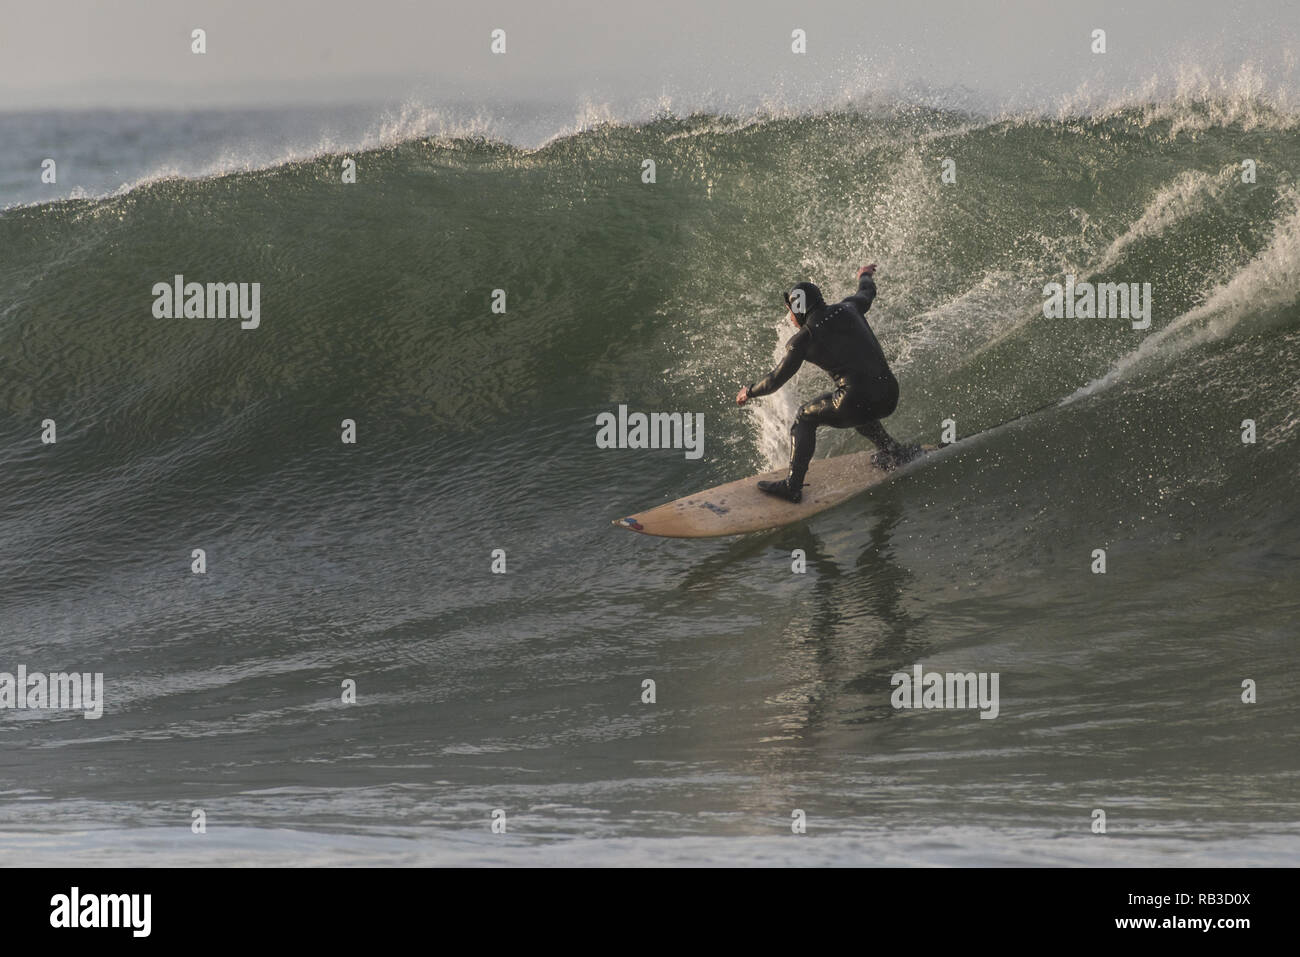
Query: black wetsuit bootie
column 782, row 489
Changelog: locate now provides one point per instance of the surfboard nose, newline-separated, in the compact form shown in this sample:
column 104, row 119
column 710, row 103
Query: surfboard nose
column 629, row 522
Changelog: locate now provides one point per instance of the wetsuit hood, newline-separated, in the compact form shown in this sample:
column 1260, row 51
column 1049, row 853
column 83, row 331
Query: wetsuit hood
column 811, row 297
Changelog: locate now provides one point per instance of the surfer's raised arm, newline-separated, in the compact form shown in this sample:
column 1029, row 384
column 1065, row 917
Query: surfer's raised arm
column 866, row 293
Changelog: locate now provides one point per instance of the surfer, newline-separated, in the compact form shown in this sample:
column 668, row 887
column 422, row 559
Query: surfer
column 837, row 339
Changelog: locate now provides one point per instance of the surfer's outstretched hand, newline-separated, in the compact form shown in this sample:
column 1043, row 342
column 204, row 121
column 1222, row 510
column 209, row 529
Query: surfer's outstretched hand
column 743, row 395
column 867, row 270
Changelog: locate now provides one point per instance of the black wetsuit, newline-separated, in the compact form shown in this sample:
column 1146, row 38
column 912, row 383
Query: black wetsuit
column 837, row 338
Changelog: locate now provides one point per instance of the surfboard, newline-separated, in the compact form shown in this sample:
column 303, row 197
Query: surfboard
column 739, row 507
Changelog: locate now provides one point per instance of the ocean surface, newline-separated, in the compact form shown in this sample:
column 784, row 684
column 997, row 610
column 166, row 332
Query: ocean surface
column 521, row 692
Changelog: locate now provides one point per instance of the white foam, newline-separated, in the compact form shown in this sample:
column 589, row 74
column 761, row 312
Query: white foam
column 1270, row 280
column 773, row 414
column 1187, row 195
column 1192, row 98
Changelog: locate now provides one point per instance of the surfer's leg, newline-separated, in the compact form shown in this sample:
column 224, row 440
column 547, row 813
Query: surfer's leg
column 826, row 409
column 873, row 430
column 873, row 406
column 871, row 402
column 891, row 454
column 823, row 410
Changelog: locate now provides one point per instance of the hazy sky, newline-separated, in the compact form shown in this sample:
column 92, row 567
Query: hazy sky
column 128, row 53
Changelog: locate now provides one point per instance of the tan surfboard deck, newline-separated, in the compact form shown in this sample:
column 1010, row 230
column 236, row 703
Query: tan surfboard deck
column 739, row 507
